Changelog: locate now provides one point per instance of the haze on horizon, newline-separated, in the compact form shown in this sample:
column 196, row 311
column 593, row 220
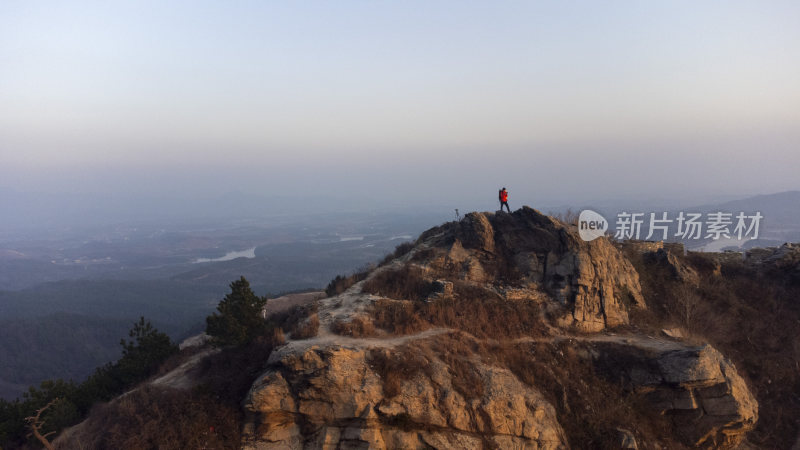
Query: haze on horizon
column 408, row 101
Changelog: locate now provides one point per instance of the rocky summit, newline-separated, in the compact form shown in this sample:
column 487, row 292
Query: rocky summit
column 533, row 251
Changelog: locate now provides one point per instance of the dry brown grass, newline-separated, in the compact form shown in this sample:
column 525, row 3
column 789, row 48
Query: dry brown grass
column 208, row 416
column 278, row 338
column 752, row 317
column 174, row 361
column 343, row 282
column 473, row 309
column 404, row 363
column 405, row 283
column 590, row 408
column 568, row 217
column 399, row 251
column 307, row 328
column 161, row 418
column 423, row 255
column 301, row 321
column 464, row 376
column 398, row 316
column 754, row 320
column 398, row 365
column 358, row 326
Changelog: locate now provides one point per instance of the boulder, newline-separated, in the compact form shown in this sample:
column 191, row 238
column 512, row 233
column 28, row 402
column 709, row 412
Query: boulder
column 696, row 387
column 679, row 270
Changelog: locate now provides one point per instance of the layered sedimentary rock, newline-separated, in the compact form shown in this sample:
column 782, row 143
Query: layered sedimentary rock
column 697, row 387
column 333, row 398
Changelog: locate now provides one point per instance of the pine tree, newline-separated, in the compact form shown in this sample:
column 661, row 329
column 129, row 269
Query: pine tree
column 239, row 319
column 142, row 355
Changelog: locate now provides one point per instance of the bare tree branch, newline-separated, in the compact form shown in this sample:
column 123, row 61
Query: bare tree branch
column 36, row 423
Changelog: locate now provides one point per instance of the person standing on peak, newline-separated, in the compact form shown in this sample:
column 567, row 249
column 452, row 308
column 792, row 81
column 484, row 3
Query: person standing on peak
column 504, row 199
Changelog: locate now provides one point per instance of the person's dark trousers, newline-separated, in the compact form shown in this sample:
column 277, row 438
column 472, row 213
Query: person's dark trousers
column 506, row 205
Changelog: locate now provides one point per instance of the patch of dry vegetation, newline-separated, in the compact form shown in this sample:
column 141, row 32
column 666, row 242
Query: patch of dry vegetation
column 751, row 316
column 567, row 218
column 357, row 327
column 464, row 376
column 343, row 282
column 406, row 283
column 398, row 365
column 582, row 396
column 174, row 361
column 473, row 309
column 562, row 372
column 307, row 328
column 301, row 321
column 423, row 254
column 161, row 418
column 399, row 251
column 398, row 317
column 208, row 416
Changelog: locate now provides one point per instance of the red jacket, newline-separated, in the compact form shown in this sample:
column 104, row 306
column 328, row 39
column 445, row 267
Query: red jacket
column 503, row 196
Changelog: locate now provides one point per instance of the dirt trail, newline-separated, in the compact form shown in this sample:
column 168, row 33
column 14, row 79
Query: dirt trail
column 181, row 376
column 354, row 301
column 334, row 340
column 345, row 306
column 643, row 341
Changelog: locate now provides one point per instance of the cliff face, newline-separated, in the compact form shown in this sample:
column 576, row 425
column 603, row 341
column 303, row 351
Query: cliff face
column 444, row 388
column 708, row 401
column 333, row 398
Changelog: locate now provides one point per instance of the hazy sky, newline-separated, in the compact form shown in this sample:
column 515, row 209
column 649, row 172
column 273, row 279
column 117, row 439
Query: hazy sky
column 559, row 101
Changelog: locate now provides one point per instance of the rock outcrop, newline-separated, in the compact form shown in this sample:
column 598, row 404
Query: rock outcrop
column 335, row 397
column 593, row 280
column 332, row 398
column 696, row 387
column 679, row 270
